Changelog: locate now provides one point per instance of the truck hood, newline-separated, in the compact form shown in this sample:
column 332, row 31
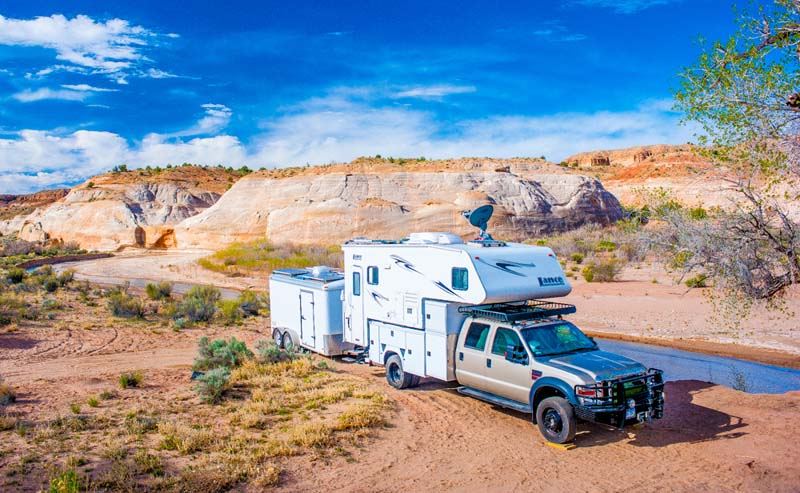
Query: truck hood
column 597, row 365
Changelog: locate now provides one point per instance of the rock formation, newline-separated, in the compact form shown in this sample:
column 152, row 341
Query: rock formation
column 377, row 199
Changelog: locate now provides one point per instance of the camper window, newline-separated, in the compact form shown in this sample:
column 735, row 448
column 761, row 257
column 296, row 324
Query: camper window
column 372, row 275
column 476, row 337
column 460, row 279
column 356, row 283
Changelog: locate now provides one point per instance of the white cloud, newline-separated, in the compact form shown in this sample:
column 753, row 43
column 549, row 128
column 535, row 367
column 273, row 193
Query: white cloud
column 554, row 30
column 87, row 88
column 432, row 92
column 626, row 6
column 335, row 128
column 29, row 96
column 114, row 48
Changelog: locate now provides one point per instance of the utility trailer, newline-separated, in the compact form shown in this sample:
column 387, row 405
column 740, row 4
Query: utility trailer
column 306, row 309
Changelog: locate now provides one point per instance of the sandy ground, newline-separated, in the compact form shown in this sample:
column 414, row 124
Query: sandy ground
column 712, row 438
column 663, row 311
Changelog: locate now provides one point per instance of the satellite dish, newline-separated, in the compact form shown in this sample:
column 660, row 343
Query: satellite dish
column 480, row 218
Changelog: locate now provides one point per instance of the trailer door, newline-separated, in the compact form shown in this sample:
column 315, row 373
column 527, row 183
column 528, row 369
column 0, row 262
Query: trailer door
column 307, row 322
column 354, row 323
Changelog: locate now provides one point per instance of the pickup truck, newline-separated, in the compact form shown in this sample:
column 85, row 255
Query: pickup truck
column 549, row 368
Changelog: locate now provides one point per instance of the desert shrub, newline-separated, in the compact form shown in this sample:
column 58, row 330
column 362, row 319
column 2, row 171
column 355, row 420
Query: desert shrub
column 230, row 311
column 7, row 394
column 93, row 402
column 159, row 291
column 65, row 277
column 13, row 310
column 199, row 304
column 148, row 463
column 262, row 255
column 698, row 281
column 577, row 257
column 75, row 408
column 269, row 353
column 16, row 276
column 51, row 304
column 250, row 303
column 220, row 353
column 183, row 438
column 212, row 385
column 131, row 379
column 107, row 395
column 607, row 270
column 65, row 482
column 124, row 305
column 44, row 271
column 139, row 425
column 605, row 246
column 50, row 284
column 588, row 273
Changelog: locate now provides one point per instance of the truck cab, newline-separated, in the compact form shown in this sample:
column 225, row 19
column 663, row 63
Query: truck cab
column 546, row 366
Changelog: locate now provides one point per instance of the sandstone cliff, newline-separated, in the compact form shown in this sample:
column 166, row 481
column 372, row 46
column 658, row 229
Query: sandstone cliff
column 133, row 208
column 15, row 208
column 376, row 198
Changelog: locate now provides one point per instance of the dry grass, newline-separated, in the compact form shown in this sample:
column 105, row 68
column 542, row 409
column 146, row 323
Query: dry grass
column 264, row 256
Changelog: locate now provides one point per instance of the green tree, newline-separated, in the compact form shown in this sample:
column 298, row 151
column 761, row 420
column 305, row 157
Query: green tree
column 744, row 94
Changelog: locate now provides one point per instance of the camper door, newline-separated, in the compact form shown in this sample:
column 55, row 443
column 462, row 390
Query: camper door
column 307, row 319
column 354, row 324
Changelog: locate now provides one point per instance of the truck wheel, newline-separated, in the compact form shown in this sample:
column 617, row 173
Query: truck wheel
column 556, row 420
column 277, row 337
column 288, row 343
column 395, row 375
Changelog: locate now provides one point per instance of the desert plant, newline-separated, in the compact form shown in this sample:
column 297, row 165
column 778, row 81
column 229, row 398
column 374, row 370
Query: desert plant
column 75, row 408
column 212, row 385
column 221, row 353
column 65, row 277
column 131, row 379
column 50, row 284
column 588, row 273
column 65, row 482
column 230, row 311
column 577, row 257
column 159, row 291
column 698, row 281
column 250, row 303
column 199, row 304
column 269, row 353
column 607, row 270
column 124, row 305
column 93, row 402
column 7, row 394
column 16, row 276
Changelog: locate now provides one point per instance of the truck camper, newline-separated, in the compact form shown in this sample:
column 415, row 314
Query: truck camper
column 477, row 312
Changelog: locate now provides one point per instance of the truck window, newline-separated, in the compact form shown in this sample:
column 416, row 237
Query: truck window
column 504, row 338
column 460, row 279
column 356, row 283
column 372, row 275
column 476, row 336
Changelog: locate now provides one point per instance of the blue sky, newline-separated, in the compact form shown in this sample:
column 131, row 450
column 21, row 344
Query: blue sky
column 89, row 85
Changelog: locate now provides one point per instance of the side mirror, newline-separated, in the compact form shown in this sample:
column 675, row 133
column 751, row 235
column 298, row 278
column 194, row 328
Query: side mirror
column 515, row 356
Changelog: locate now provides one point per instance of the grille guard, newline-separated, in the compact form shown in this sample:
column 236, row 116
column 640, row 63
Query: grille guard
column 611, row 397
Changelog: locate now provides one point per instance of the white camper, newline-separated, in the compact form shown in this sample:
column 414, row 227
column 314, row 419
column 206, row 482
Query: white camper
column 306, row 309
column 403, row 297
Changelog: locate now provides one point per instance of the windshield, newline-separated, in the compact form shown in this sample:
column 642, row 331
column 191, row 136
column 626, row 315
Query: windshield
column 560, row 338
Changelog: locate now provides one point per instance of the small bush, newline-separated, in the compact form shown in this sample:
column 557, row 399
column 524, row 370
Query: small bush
column 250, row 303
column 698, row 281
column 605, row 246
column 16, row 276
column 65, row 277
column 211, row 386
column 576, row 257
column 221, row 353
column 50, row 284
column 107, row 395
column 149, row 463
column 75, row 408
column 199, row 304
column 124, row 305
column 7, row 394
column 230, row 311
column 160, row 291
column 269, row 353
column 93, row 402
column 132, row 379
column 65, row 482
column 606, row 270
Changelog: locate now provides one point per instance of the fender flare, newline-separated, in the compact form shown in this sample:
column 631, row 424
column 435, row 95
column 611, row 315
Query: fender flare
column 562, row 386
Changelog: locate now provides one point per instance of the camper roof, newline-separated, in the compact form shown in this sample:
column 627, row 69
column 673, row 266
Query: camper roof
column 319, row 273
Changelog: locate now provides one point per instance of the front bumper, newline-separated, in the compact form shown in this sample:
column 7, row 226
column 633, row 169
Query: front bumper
column 622, row 401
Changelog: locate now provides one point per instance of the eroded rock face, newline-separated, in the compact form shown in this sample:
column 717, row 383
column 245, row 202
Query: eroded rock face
column 107, row 217
column 334, row 207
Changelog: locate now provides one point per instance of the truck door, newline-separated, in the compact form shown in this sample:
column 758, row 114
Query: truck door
column 471, row 356
column 509, row 374
column 307, row 322
column 354, row 323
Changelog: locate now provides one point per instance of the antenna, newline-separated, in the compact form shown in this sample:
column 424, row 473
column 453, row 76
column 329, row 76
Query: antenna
column 480, row 219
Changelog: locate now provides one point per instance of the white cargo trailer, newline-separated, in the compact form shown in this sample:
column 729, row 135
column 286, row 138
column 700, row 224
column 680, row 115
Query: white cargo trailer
column 403, row 297
column 306, row 309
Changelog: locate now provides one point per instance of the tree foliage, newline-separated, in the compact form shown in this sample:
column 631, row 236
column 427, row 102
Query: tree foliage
column 744, row 94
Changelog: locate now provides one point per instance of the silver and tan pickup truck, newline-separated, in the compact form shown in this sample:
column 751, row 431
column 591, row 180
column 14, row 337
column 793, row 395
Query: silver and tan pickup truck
column 535, row 362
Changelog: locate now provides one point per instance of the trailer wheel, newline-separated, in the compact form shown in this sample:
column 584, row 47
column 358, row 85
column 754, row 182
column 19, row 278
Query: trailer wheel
column 277, row 337
column 288, row 343
column 395, row 375
column 556, row 419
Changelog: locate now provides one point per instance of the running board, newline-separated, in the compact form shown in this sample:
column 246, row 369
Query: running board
column 495, row 399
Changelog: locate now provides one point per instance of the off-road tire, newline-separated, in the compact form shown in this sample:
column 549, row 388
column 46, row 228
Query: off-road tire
column 277, row 336
column 556, row 419
column 288, row 343
column 395, row 375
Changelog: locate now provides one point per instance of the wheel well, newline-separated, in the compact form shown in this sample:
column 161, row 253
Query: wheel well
column 388, row 355
column 542, row 394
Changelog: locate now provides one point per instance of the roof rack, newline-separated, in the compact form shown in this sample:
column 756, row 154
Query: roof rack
column 517, row 311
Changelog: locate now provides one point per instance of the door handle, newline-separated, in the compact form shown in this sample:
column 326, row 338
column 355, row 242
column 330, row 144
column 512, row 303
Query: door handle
column 488, row 363
column 348, row 321
column 460, row 356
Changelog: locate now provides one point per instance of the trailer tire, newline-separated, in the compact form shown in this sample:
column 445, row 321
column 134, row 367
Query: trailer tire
column 288, row 343
column 395, row 375
column 277, row 337
column 556, row 419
